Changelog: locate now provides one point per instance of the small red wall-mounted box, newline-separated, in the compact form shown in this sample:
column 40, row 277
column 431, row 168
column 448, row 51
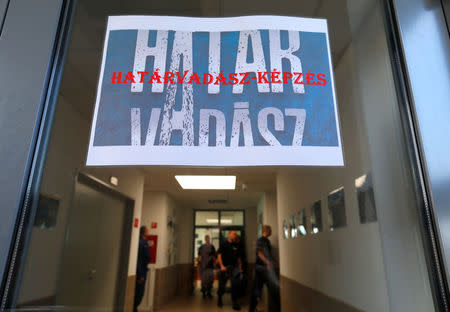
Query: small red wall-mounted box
column 152, row 247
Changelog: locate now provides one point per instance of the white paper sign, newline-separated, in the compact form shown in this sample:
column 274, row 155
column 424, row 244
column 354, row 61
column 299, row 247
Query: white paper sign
column 243, row 91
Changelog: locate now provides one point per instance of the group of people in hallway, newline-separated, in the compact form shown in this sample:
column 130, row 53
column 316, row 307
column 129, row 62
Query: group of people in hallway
column 230, row 262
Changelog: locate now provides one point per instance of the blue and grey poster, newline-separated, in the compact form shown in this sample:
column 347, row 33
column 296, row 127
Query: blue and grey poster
column 244, row 91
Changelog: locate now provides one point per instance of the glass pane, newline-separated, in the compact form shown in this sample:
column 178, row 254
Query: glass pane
column 366, row 199
column 293, row 227
column 231, row 218
column 209, row 218
column 286, row 232
column 359, row 267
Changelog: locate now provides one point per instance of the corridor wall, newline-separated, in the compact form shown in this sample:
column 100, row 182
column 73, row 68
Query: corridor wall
column 172, row 274
column 376, row 266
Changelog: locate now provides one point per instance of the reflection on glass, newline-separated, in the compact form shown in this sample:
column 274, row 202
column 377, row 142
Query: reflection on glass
column 47, row 212
column 285, row 229
column 336, row 209
column 207, row 218
column 293, row 227
column 316, row 217
column 232, row 218
column 366, row 199
column 301, row 222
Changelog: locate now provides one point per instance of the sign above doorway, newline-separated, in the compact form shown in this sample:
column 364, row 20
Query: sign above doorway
column 243, row 91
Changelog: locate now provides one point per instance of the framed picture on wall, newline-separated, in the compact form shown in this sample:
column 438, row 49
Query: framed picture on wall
column 285, row 229
column 301, row 222
column 336, row 209
column 316, row 217
column 47, row 211
column 366, row 199
column 293, row 226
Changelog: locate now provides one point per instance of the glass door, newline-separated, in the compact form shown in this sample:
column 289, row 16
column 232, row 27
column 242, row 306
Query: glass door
column 380, row 265
column 217, row 224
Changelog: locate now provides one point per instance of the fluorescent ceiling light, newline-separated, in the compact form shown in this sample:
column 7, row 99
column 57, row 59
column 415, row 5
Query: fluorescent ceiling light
column 216, row 221
column 203, row 182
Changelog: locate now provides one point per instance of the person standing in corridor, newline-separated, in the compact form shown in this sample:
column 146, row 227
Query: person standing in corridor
column 141, row 270
column 243, row 276
column 265, row 272
column 207, row 257
column 230, row 269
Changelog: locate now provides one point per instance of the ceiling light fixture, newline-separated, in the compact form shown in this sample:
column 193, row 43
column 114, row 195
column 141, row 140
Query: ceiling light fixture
column 206, row 182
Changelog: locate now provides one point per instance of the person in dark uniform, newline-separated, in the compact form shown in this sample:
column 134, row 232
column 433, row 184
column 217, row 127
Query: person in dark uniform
column 141, row 270
column 244, row 276
column 230, row 269
column 265, row 272
column 207, row 257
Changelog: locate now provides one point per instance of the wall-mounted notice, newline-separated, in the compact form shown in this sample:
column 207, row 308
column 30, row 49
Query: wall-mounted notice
column 243, row 91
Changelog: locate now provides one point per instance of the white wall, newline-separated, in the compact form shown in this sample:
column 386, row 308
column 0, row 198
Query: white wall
column 158, row 207
column 251, row 233
column 65, row 158
column 185, row 230
column 346, row 264
column 377, row 266
column 155, row 208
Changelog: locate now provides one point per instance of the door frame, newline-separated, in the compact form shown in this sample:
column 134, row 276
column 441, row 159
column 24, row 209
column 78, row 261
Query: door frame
column 404, row 21
column 37, row 138
column 218, row 226
column 127, row 229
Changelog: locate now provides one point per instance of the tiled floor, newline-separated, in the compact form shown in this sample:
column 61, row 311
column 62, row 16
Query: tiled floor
column 198, row 304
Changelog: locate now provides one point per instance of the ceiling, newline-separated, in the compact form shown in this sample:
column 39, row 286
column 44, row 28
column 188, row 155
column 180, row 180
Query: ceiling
column 251, row 183
column 83, row 63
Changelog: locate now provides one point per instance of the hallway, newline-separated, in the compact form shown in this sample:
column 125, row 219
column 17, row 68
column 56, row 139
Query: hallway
column 198, row 304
